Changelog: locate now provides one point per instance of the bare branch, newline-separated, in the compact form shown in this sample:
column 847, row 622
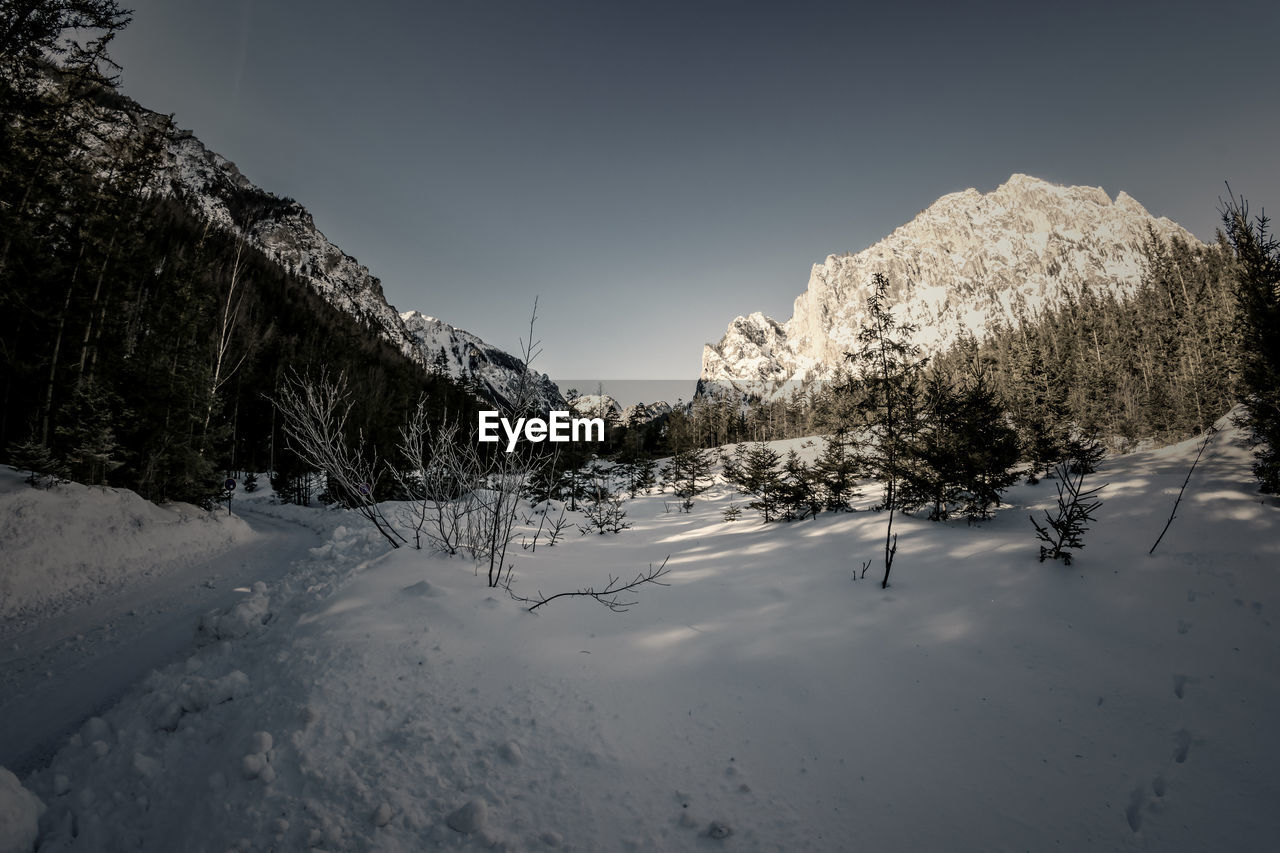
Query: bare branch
column 610, row 596
column 1213, row 430
column 314, row 412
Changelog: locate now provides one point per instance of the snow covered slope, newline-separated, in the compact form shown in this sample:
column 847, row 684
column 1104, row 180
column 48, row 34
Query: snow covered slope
column 966, row 263
column 764, row 701
column 465, row 357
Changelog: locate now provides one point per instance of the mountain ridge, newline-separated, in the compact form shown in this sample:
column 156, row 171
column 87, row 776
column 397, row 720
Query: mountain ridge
column 967, row 263
column 285, row 231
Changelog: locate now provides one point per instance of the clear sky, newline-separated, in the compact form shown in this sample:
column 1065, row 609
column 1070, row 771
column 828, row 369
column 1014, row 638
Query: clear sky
column 651, row 170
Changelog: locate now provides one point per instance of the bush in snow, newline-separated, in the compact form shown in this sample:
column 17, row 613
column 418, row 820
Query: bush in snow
column 315, row 413
column 36, row 459
column 1065, row 531
column 603, row 508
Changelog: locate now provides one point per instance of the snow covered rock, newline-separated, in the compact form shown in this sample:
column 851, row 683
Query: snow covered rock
column 511, row 752
column 241, row 620
column 20, row 812
column 457, row 353
column 969, row 262
column 468, row 819
column 252, row 764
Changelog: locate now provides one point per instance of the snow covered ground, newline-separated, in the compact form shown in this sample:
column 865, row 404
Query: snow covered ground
column 765, row 700
column 69, row 544
column 129, row 602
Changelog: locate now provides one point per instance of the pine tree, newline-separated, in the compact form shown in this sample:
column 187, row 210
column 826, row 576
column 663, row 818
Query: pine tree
column 802, row 489
column 36, row 459
column 837, row 471
column 1064, row 532
column 933, row 455
column 987, row 448
column 86, row 433
column 890, row 368
column 689, row 473
column 1257, row 275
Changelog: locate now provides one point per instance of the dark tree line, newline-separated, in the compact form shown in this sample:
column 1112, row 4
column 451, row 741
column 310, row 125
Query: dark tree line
column 139, row 346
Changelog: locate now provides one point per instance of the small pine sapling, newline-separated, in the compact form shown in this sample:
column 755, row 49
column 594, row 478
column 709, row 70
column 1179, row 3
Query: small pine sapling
column 35, row 458
column 1076, row 505
column 1084, row 452
column 603, row 507
column 731, row 512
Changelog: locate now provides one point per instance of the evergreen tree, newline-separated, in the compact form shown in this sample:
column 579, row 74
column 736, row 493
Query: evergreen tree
column 689, row 473
column 837, row 471
column 987, row 449
column 1257, row 275
column 890, row 368
column 932, row 456
column 87, row 433
column 802, row 489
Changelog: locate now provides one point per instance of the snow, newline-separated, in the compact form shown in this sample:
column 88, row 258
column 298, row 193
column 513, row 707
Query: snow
column 63, row 546
column 81, row 657
column 765, row 700
column 20, row 812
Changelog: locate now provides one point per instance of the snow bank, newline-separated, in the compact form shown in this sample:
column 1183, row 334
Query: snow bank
column 20, row 812
column 67, row 544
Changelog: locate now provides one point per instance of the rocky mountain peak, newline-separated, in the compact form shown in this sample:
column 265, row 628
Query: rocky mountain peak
column 967, row 263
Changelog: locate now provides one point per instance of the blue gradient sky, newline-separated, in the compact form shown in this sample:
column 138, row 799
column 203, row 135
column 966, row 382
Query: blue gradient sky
column 652, row 170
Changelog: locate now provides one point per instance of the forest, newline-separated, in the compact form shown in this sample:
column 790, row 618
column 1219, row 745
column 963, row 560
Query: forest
column 143, row 347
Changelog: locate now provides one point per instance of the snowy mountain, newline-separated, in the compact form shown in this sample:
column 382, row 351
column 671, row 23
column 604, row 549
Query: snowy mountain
column 282, row 229
column 603, row 405
column 642, row 413
column 465, row 357
column 597, row 406
column 968, row 263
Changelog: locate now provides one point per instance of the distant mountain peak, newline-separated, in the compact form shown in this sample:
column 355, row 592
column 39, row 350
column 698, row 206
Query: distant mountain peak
column 967, row 263
column 466, row 358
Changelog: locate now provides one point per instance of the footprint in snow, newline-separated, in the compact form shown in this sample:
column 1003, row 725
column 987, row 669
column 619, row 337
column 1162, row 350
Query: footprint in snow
column 1183, row 626
column 1133, row 812
column 1181, row 745
column 1180, row 683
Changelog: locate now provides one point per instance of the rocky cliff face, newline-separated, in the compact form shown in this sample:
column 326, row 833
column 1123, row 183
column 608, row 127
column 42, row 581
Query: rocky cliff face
column 967, row 263
column 282, row 229
column 492, row 372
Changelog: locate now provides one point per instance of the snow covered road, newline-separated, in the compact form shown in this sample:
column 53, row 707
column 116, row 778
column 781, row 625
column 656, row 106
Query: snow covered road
column 58, row 673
